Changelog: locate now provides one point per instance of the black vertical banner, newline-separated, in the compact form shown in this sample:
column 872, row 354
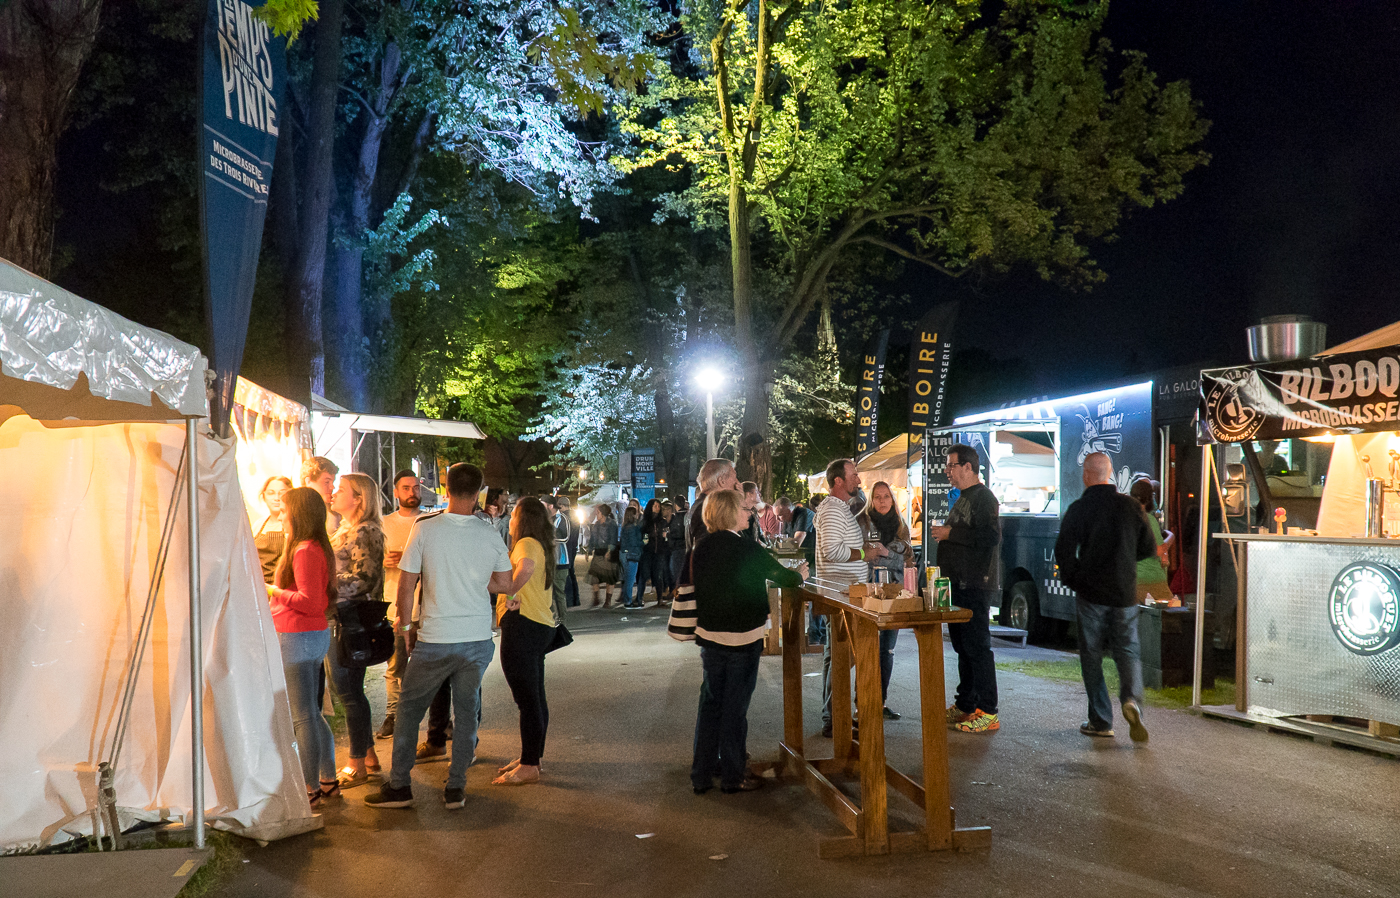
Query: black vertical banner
column 928, row 366
column 872, row 369
column 241, row 80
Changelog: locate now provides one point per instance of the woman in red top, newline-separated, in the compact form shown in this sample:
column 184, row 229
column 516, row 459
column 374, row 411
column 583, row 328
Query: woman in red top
column 300, row 594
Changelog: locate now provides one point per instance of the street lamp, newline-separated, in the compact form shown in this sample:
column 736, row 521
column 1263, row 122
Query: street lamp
column 709, row 380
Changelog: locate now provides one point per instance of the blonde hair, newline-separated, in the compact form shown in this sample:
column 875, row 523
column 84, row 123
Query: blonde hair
column 723, row 510
column 367, row 491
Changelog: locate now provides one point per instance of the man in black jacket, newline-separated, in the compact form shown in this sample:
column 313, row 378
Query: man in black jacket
column 967, row 555
column 1102, row 538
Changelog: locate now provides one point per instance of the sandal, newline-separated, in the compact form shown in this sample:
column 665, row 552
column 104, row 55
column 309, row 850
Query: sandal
column 515, row 779
column 330, row 788
column 350, row 778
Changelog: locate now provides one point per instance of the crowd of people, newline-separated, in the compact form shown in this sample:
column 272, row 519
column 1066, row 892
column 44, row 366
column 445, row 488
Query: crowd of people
column 454, row 578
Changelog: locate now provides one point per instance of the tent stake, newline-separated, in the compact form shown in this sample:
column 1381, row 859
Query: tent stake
column 196, row 640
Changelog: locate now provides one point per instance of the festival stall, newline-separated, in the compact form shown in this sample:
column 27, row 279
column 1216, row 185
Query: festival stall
column 1318, row 601
column 273, row 436
column 108, row 533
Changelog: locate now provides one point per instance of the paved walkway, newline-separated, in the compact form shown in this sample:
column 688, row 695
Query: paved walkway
column 1209, row 808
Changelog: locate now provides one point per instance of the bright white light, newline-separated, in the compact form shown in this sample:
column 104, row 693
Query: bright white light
column 582, row 474
column 709, row 379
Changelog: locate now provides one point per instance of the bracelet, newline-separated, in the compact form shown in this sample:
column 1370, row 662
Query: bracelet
column 862, row 554
column 407, row 628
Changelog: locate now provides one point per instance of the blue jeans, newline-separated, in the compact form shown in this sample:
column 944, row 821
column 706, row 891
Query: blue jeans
column 629, row 576
column 1104, row 630
column 977, row 669
column 722, row 722
column 302, row 655
column 429, row 666
column 888, row 638
column 817, row 632
column 348, row 687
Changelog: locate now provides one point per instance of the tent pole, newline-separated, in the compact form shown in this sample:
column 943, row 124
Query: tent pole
column 1202, row 545
column 196, row 639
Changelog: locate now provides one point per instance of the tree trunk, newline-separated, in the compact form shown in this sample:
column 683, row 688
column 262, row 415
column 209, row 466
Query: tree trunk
column 282, row 211
column 352, row 322
column 755, row 459
column 310, row 272
column 43, row 45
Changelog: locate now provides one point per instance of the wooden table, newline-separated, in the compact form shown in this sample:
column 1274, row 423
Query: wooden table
column 852, row 629
column 772, row 643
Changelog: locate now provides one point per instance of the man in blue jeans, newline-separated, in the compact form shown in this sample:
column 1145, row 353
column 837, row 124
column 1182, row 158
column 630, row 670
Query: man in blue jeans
column 461, row 561
column 1104, row 535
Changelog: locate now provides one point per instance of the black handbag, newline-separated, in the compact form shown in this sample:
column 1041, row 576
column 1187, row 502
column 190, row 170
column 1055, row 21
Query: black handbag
column 363, row 635
column 562, row 637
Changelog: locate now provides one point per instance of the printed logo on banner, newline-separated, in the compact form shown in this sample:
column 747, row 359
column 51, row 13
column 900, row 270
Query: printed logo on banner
column 1231, row 414
column 1364, row 607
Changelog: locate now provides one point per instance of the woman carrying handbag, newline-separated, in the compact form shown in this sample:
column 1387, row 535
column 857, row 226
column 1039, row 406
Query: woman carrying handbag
column 359, row 577
column 604, row 570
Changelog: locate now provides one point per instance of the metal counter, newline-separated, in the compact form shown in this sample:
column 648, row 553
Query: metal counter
column 1320, row 619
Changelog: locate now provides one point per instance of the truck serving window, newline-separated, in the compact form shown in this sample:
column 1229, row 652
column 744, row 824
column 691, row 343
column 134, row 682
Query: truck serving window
column 1025, row 467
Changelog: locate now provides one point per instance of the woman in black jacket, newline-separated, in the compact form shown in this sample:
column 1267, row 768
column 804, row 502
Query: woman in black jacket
column 656, row 554
column 730, row 575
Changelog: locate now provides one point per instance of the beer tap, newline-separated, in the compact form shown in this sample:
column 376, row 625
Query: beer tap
column 1394, row 470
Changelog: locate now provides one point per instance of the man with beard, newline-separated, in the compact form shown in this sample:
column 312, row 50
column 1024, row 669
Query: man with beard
column 397, row 527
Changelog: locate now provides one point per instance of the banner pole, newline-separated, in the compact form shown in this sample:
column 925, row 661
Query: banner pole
column 1202, row 545
column 196, row 639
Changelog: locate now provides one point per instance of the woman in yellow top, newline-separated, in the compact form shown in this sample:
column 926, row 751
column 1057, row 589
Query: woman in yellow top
column 527, row 628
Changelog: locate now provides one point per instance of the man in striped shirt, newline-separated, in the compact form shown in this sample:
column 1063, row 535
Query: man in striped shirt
column 841, row 554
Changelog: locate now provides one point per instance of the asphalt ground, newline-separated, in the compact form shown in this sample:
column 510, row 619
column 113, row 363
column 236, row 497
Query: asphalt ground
column 1205, row 808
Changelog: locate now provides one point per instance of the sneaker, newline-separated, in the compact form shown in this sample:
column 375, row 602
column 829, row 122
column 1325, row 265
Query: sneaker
column 427, row 751
column 1133, row 714
column 855, row 729
column 389, row 797
column 979, row 722
column 956, row 715
column 386, row 729
column 826, row 730
column 1088, row 729
column 892, row 715
column 452, row 799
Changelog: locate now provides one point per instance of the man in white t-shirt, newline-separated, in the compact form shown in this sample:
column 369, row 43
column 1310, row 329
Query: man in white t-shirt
column 841, row 553
column 397, row 527
column 461, row 562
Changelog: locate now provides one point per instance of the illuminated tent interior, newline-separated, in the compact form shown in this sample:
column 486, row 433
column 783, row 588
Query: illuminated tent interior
column 95, row 620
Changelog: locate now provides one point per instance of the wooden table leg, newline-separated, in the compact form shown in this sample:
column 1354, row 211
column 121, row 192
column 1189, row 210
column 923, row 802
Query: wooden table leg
column 874, row 794
column 838, row 633
column 792, row 618
column 775, row 618
column 938, row 815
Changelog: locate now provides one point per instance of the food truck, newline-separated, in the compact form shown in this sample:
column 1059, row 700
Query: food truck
column 1318, row 610
column 1032, row 456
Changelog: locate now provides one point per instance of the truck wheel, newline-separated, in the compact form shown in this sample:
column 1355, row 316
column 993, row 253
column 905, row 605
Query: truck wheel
column 1023, row 610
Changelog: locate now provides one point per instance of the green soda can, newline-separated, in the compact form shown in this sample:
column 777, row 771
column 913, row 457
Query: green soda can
column 944, row 589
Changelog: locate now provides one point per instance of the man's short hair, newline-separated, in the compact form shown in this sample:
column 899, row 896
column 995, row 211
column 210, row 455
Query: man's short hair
column 563, row 502
column 315, row 466
column 406, row 472
column 711, row 471
column 748, row 486
column 723, row 510
column 783, row 502
column 837, row 470
column 463, row 480
column 548, row 500
column 964, row 454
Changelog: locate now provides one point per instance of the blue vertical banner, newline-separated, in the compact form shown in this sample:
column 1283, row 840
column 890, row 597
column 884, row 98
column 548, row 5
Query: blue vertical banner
column 243, row 77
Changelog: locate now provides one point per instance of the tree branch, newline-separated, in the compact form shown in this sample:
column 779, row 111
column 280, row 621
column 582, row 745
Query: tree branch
column 899, row 250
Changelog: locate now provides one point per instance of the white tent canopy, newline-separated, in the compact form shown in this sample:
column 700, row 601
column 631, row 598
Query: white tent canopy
column 95, row 523
column 334, row 427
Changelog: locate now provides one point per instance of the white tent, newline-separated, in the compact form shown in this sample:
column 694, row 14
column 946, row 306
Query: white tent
column 96, row 536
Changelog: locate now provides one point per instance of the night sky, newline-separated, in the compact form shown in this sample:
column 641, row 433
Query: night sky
column 1296, row 213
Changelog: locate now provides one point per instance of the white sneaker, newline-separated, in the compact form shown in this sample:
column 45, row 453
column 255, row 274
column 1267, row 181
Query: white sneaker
column 1133, row 714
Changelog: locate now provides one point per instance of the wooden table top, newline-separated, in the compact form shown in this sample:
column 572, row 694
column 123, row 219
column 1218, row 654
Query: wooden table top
column 833, row 594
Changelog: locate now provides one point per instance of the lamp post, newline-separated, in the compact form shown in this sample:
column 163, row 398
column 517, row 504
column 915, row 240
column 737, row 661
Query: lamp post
column 710, row 380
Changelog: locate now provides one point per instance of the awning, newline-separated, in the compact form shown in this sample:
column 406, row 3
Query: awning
column 64, row 358
column 1385, row 336
column 433, row 427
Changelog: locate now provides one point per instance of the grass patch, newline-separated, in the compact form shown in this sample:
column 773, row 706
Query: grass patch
column 1223, row 693
column 228, row 852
